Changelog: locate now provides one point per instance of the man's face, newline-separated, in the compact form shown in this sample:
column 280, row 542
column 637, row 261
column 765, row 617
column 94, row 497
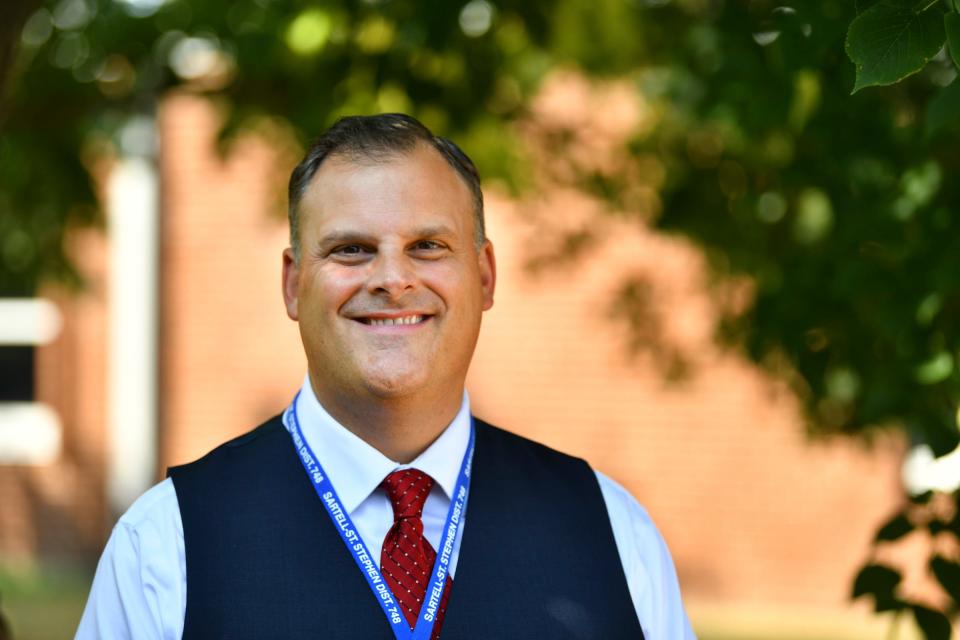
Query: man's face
column 390, row 286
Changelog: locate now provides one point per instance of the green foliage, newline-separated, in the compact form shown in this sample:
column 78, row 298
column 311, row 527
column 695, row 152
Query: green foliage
column 838, row 208
column 891, row 40
column 935, row 517
column 880, row 582
column 895, row 529
column 948, row 574
column 87, row 69
column 951, row 23
column 934, row 624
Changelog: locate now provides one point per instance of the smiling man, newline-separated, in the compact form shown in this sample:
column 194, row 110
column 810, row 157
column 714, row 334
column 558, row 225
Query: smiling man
column 388, row 279
column 376, row 506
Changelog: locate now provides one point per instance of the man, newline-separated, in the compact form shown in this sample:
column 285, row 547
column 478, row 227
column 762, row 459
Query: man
column 375, row 506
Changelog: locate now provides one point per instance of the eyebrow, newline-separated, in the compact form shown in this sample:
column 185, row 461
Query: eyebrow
column 362, row 237
column 433, row 231
column 345, row 237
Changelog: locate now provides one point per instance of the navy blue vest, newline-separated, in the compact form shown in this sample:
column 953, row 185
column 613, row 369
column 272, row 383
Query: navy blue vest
column 264, row 560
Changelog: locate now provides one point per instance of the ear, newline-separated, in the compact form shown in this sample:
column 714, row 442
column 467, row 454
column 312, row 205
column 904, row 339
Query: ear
column 291, row 283
column 488, row 273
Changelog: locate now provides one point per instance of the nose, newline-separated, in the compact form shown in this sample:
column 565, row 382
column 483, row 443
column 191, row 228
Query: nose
column 391, row 275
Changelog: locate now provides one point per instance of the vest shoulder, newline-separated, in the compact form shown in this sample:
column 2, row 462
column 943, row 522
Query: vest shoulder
column 237, row 447
column 508, row 441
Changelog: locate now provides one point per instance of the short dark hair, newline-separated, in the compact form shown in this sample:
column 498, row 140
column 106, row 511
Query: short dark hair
column 374, row 139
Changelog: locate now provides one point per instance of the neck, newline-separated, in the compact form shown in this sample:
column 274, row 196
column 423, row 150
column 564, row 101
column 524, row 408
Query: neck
column 399, row 428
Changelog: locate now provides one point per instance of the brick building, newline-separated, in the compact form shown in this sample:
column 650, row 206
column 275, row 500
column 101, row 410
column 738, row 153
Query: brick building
column 748, row 504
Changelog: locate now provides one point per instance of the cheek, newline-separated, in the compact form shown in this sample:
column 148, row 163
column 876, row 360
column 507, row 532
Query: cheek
column 457, row 285
column 331, row 288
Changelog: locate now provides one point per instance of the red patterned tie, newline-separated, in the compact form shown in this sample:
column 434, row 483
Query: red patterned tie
column 406, row 561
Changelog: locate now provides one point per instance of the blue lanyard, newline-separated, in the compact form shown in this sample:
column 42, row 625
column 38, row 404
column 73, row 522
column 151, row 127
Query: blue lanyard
column 348, row 532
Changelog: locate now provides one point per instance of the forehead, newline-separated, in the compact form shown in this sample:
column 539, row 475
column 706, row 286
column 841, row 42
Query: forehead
column 413, row 186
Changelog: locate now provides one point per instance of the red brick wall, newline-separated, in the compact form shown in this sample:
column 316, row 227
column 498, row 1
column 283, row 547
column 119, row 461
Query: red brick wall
column 230, row 358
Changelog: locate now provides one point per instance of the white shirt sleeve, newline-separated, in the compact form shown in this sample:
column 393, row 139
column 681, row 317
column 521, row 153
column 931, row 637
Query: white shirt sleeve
column 651, row 577
column 139, row 589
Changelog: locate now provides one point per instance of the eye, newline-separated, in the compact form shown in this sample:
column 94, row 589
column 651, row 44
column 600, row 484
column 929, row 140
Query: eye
column 428, row 245
column 350, row 251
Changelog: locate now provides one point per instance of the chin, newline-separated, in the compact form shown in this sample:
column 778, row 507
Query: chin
column 394, row 384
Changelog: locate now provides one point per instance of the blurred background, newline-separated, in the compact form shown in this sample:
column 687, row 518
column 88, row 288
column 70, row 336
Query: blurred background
column 727, row 281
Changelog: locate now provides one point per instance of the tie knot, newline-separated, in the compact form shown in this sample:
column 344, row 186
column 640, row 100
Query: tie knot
column 408, row 490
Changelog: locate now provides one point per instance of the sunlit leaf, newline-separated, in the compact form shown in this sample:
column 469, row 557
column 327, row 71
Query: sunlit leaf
column 889, row 42
column 807, row 88
column 308, row 32
column 927, row 310
column 936, row 369
column 814, row 216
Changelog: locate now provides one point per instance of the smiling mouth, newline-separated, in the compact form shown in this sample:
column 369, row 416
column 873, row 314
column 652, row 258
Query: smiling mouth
column 389, row 322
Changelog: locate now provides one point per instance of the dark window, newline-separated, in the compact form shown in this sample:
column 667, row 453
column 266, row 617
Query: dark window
column 16, row 373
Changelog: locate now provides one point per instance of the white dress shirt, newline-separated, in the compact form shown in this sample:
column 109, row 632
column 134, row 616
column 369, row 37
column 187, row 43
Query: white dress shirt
column 140, row 587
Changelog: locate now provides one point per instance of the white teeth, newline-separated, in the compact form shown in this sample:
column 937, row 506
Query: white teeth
column 378, row 322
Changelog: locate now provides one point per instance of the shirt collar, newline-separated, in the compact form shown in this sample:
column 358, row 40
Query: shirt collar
column 356, row 469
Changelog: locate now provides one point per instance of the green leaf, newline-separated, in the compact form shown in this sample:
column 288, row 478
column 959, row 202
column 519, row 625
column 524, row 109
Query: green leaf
column 936, row 526
column 889, row 41
column 935, row 369
column 880, row 582
column 948, row 573
column 935, row 625
column 875, row 578
column 862, row 5
column 951, row 24
column 896, row 528
column 942, row 437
